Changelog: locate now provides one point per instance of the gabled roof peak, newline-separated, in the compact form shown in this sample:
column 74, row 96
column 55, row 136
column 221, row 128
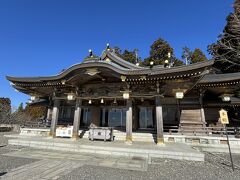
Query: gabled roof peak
column 110, row 53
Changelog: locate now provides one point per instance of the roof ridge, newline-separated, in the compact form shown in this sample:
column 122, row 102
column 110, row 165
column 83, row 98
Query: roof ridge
column 120, row 60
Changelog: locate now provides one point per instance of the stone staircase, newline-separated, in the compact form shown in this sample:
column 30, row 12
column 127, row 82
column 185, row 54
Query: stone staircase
column 137, row 136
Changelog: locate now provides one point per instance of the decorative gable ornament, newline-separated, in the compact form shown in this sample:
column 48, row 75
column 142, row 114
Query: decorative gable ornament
column 108, row 60
column 123, row 78
column 92, row 71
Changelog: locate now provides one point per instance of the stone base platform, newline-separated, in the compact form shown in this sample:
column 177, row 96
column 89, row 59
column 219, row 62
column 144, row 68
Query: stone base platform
column 211, row 143
column 147, row 150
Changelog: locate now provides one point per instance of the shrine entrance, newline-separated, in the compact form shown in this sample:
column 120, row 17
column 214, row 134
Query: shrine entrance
column 113, row 117
column 146, row 120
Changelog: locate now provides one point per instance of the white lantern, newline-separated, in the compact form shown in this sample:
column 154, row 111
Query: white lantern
column 102, row 101
column 179, row 95
column 226, row 98
column 33, row 98
column 169, row 55
column 151, row 63
column 126, row 95
column 90, row 101
column 70, row 97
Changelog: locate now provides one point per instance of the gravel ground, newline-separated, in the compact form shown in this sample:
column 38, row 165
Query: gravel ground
column 213, row 168
column 8, row 163
column 216, row 166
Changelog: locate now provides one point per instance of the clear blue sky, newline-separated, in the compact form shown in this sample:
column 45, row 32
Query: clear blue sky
column 42, row 37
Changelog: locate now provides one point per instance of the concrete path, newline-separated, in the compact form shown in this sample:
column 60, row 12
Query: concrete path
column 43, row 169
column 54, row 164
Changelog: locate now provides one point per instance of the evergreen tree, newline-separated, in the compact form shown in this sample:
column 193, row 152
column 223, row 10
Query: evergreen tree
column 226, row 51
column 177, row 62
column 127, row 55
column 35, row 112
column 118, row 51
column 159, row 52
column 20, row 107
column 5, row 110
column 198, row 56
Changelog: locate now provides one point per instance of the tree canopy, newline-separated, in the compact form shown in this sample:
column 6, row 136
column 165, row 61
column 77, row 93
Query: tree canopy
column 197, row 56
column 35, row 112
column 20, row 107
column 226, row 51
column 21, row 115
column 158, row 52
column 127, row 55
column 5, row 109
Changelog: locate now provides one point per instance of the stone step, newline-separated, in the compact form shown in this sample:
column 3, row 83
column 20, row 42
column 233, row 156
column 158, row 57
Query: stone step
column 116, row 148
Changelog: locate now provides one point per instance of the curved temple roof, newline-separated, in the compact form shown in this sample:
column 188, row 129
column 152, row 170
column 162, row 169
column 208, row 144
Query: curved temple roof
column 215, row 78
column 111, row 61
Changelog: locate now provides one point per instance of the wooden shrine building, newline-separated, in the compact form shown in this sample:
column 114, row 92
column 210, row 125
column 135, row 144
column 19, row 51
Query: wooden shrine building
column 108, row 91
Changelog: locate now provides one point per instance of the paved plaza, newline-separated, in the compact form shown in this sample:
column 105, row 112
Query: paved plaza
column 19, row 162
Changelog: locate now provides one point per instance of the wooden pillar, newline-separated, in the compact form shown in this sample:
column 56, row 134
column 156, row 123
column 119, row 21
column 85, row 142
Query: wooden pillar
column 49, row 113
column 202, row 110
column 203, row 115
column 159, row 121
column 135, row 118
column 129, row 122
column 77, row 118
column 55, row 113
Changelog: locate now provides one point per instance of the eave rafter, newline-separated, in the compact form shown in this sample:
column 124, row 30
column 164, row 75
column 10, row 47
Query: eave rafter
column 47, row 84
column 219, row 84
column 163, row 78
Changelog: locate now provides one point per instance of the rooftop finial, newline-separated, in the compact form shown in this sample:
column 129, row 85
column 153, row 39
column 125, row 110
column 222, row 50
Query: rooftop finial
column 90, row 53
column 108, row 46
